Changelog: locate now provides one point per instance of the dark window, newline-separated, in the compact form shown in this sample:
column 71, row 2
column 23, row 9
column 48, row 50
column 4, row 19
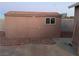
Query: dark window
column 47, row 20
column 52, row 20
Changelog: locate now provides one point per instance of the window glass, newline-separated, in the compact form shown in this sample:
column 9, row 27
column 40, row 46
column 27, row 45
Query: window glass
column 52, row 20
column 47, row 20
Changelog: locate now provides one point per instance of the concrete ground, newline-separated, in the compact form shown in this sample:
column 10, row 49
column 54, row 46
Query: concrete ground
column 61, row 48
column 46, row 48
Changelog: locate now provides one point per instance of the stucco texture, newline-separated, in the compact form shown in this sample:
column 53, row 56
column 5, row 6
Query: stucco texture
column 32, row 26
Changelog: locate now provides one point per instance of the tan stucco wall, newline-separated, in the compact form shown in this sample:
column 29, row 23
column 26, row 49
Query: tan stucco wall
column 31, row 27
column 67, row 25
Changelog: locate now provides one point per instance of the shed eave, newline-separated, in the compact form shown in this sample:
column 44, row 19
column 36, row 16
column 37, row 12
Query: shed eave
column 24, row 14
column 74, row 5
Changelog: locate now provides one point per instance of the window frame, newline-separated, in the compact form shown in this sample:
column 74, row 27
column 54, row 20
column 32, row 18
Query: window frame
column 50, row 21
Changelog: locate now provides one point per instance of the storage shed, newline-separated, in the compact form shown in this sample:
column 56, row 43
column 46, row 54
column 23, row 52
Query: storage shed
column 76, row 28
column 33, row 25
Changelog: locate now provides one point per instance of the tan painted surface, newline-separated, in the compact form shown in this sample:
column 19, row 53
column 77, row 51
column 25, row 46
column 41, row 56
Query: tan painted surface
column 31, row 26
column 76, row 30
